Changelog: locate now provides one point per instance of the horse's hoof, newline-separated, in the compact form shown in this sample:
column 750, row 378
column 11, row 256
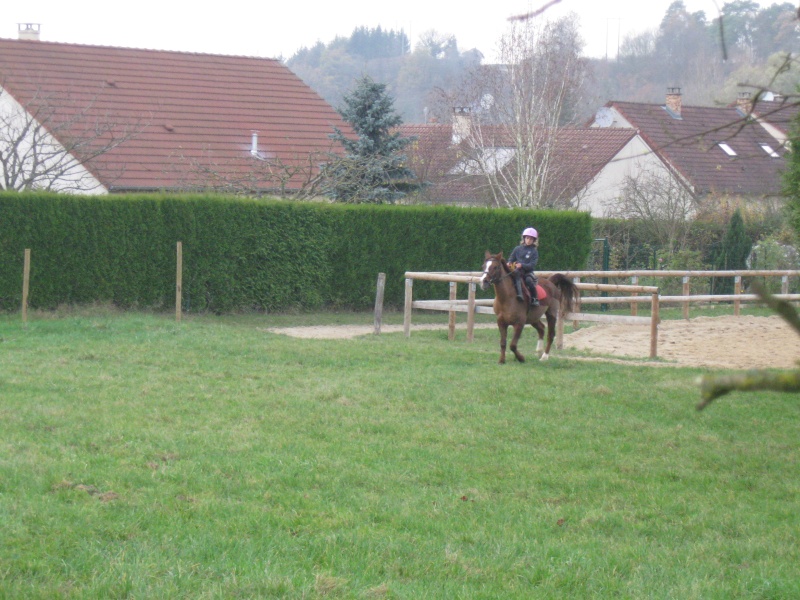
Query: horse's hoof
column 544, row 357
column 521, row 358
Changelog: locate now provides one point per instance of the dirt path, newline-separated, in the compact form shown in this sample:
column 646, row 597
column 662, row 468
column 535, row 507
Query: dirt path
column 721, row 342
column 726, row 342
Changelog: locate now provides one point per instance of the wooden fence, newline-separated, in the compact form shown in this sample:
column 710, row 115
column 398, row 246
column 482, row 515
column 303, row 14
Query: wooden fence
column 26, row 270
column 473, row 306
column 686, row 298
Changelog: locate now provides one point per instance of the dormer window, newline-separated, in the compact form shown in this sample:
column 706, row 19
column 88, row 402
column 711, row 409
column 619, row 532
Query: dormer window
column 768, row 149
column 727, row 149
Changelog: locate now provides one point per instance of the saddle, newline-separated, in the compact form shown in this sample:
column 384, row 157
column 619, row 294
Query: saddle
column 541, row 295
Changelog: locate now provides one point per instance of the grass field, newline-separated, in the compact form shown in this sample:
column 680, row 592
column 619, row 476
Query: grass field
column 143, row 458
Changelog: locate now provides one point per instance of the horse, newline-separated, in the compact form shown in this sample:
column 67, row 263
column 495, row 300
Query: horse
column 555, row 292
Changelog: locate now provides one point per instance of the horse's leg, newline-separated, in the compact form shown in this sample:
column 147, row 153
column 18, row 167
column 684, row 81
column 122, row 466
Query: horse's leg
column 503, row 327
column 551, row 332
column 537, row 325
column 518, row 327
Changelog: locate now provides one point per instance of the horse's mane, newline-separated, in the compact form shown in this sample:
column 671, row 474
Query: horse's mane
column 503, row 262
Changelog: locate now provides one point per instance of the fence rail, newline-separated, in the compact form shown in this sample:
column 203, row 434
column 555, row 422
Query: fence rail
column 650, row 294
column 686, row 298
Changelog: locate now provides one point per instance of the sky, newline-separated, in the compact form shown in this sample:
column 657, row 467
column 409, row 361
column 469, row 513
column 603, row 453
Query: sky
column 278, row 28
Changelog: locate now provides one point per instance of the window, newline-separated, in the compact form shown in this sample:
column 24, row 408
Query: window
column 727, row 149
column 768, row 149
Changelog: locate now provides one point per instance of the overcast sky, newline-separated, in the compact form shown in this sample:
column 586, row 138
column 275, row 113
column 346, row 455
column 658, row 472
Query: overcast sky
column 279, row 28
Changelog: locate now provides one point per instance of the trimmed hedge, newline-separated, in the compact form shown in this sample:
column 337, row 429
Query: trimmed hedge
column 241, row 254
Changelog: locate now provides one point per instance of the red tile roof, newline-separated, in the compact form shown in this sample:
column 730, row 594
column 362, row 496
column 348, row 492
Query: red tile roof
column 580, row 154
column 690, row 144
column 780, row 113
column 199, row 106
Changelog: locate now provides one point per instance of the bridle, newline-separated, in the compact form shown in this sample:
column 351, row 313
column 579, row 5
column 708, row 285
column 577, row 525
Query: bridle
column 496, row 278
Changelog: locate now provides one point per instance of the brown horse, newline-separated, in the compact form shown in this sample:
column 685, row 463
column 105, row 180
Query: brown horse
column 555, row 292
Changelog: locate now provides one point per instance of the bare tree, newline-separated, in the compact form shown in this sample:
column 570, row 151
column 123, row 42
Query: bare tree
column 663, row 204
column 53, row 141
column 523, row 105
column 255, row 175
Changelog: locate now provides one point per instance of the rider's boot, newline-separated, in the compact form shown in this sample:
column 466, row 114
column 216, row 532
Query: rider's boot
column 534, row 299
column 518, row 287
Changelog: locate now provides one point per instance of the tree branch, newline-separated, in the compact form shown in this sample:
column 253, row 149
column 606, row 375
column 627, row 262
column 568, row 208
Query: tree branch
column 714, row 386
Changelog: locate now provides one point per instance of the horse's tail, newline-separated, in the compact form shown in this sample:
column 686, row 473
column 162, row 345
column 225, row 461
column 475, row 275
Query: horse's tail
column 569, row 292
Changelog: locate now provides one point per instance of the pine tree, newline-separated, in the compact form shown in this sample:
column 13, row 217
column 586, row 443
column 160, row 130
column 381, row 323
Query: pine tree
column 735, row 249
column 373, row 168
column 791, row 178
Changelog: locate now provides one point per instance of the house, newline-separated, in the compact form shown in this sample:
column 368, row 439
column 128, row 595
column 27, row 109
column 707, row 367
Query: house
column 733, row 153
column 460, row 163
column 150, row 120
column 774, row 112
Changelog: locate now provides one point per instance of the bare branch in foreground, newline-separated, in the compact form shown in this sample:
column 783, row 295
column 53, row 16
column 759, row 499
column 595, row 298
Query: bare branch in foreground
column 714, row 386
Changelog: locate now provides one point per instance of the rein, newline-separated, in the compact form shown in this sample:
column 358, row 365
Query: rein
column 499, row 279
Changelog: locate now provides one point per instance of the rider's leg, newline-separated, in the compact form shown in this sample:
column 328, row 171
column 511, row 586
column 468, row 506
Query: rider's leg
column 531, row 281
column 517, row 279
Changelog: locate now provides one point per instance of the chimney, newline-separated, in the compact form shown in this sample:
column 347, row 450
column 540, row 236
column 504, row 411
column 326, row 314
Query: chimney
column 254, row 144
column 674, row 101
column 28, row 31
column 743, row 103
column 462, row 124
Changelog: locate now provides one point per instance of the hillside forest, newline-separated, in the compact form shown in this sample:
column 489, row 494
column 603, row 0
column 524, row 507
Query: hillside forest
column 710, row 57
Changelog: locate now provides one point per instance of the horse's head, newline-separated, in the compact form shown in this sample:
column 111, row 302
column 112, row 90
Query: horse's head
column 494, row 268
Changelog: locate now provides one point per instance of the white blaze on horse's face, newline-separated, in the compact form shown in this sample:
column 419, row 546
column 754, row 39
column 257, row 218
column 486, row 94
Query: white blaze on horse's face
column 485, row 277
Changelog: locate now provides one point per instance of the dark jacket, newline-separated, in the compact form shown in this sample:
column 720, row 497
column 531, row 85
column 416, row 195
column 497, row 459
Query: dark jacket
column 527, row 256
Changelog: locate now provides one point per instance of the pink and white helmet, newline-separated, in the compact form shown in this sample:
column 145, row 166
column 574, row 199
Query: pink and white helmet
column 530, row 232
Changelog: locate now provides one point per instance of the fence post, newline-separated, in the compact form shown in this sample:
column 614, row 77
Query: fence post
column 785, row 284
column 471, row 312
column 654, row 321
column 576, row 324
column 686, row 293
column 26, row 279
column 634, row 305
column 451, row 333
column 178, row 281
column 379, row 303
column 407, row 307
column 737, row 289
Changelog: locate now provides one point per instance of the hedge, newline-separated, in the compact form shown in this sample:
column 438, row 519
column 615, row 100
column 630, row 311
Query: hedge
column 242, row 254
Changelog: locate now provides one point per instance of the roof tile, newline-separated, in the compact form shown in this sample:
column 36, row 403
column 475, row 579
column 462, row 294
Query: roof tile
column 186, row 104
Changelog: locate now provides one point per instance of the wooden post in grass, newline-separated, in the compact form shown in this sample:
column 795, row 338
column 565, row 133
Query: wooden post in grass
column 407, row 307
column 451, row 332
column 179, row 282
column 471, row 312
column 654, row 321
column 26, row 278
column 379, row 303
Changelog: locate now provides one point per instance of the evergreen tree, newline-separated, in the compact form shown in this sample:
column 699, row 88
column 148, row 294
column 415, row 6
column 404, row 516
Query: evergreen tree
column 791, row 178
column 735, row 249
column 373, row 167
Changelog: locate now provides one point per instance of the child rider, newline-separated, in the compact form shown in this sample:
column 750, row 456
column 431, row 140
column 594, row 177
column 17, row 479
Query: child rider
column 523, row 259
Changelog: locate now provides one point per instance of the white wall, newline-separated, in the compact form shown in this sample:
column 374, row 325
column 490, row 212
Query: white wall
column 69, row 175
column 634, row 158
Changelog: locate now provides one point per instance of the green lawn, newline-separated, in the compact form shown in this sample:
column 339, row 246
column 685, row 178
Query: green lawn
column 144, row 458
